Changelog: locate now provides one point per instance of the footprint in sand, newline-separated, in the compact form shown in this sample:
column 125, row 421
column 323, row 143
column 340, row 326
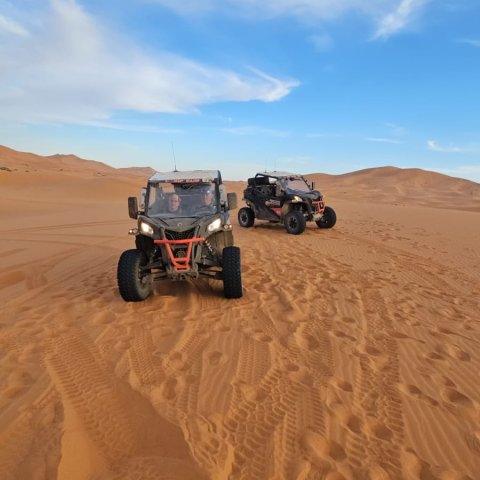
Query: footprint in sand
column 414, row 391
column 457, row 398
column 342, row 385
column 340, row 334
column 456, row 352
column 215, row 358
column 442, row 352
column 378, row 430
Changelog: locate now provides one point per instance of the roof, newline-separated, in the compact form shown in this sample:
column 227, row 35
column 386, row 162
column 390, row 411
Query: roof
column 279, row 174
column 188, row 176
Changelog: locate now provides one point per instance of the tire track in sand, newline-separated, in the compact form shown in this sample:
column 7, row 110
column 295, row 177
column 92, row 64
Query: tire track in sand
column 268, row 416
column 119, row 422
column 376, row 432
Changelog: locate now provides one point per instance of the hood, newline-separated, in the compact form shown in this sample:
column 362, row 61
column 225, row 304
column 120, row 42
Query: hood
column 313, row 195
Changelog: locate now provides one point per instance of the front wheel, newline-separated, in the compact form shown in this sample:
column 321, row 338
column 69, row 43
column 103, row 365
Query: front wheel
column 246, row 217
column 329, row 218
column 134, row 284
column 232, row 273
column 295, row 222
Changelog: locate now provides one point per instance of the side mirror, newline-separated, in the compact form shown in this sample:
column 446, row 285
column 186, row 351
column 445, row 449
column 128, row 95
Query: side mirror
column 132, row 207
column 232, row 201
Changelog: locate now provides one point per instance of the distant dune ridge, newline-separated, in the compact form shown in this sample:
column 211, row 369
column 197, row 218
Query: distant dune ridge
column 353, row 353
column 388, row 184
column 21, row 161
column 405, row 185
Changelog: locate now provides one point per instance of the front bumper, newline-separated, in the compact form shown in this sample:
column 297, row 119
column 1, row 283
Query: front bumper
column 179, row 263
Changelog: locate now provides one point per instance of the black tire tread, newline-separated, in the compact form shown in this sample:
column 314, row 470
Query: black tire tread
column 329, row 220
column 129, row 284
column 249, row 213
column 301, row 222
column 232, row 273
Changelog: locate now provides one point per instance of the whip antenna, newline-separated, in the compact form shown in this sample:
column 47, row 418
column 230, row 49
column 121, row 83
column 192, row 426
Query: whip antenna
column 174, row 159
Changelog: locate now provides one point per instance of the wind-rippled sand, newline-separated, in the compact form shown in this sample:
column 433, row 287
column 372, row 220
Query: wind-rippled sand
column 354, row 352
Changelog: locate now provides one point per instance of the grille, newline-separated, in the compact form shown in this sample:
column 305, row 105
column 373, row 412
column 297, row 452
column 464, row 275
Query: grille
column 172, row 235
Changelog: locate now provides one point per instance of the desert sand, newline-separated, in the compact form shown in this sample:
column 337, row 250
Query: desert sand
column 353, row 354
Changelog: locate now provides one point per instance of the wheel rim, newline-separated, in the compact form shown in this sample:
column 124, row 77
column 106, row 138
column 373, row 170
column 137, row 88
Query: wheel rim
column 143, row 277
column 292, row 223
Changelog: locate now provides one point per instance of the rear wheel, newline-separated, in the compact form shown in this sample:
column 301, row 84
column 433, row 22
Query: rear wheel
column 232, row 273
column 246, row 217
column 329, row 218
column 295, row 222
column 133, row 283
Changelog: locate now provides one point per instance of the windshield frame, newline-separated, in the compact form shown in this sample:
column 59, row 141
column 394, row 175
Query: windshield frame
column 190, row 193
column 288, row 182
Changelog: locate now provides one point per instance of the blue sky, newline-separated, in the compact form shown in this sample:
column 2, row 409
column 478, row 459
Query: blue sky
column 245, row 85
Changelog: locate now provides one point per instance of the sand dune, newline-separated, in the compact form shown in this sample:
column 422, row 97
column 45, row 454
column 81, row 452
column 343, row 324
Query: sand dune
column 403, row 186
column 353, row 354
column 12, row 160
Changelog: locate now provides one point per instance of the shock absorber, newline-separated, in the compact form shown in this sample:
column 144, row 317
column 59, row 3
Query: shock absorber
column 210, row 249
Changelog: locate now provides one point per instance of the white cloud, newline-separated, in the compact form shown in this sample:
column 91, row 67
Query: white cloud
column 71, row 69
column 435, row 147
column 396, row 130
column 8, row 25
column 265, row 8
column 390, row 16
column 382, row 140
column 132, row 128
column 277, row 88
column 470, row 41
column 398, row 19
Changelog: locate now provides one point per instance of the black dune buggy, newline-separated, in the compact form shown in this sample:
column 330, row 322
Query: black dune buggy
column 183, row 232
column 286, row 198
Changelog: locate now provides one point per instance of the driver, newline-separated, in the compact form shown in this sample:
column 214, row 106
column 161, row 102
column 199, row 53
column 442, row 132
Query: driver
column 208, row 200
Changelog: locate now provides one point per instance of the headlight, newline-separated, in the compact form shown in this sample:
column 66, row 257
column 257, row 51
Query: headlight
column 296, row 198
column 146, row 228
column 215, row 225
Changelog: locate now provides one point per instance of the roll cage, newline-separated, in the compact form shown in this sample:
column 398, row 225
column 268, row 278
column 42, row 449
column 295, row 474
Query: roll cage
column 273, row 184
column 189, row 186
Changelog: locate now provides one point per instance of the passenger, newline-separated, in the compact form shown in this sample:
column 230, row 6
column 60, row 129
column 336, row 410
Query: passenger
column 173, row 204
